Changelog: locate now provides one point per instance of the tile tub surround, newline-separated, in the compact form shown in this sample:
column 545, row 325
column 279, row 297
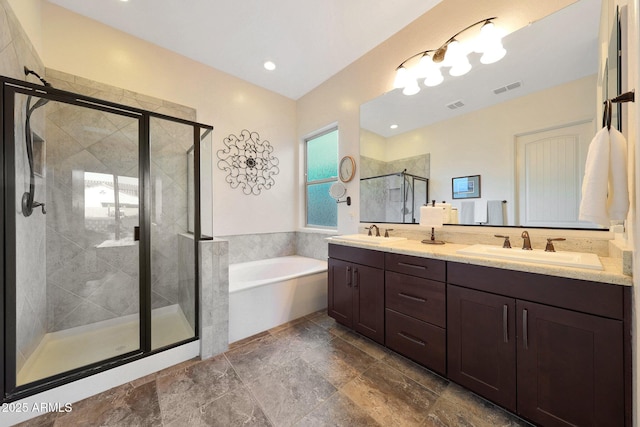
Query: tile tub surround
column 309, row 372
column 214, row 297
column 254, row 247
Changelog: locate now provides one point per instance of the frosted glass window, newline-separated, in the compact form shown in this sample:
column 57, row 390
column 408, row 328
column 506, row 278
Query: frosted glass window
column 321, row 172
column 321, row 208
column 322, row 157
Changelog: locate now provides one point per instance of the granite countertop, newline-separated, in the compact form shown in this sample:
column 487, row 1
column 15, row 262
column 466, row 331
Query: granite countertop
column 611, row 273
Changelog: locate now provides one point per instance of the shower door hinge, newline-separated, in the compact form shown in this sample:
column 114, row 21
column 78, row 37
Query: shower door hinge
column 136, row 233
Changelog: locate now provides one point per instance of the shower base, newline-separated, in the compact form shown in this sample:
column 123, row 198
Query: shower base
column 72, row 348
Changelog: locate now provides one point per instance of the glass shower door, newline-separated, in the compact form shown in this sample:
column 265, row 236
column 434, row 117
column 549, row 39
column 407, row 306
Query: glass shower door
column 172, row 248
column 77, row 275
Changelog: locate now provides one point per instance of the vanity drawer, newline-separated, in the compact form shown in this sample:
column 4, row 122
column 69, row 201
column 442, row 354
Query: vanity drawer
column 421, row 298
column 359, row 256
column 419, row 341
column 416, row 266
column 579, row 295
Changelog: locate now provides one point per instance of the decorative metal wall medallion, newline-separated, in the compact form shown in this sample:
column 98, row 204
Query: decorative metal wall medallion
column 249, row 162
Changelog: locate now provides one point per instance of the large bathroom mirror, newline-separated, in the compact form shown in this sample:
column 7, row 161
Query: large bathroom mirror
column 522, row 124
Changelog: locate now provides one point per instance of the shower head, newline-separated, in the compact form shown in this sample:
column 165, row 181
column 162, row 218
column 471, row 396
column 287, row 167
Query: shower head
column 28, row 71
column 41, row 101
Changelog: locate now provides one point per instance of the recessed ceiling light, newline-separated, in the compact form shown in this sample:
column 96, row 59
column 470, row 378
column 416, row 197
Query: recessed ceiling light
column 394, row 126
column 269, row 65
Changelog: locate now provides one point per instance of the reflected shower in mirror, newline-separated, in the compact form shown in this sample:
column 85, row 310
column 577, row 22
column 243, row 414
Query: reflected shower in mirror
column 524, row 124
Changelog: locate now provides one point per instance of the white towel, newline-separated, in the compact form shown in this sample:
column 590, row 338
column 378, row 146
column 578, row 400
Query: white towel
column 446, row 212
column 495, row 212
column 605, row 192
column 466, row 213
column 431, row 216
column 480, row 212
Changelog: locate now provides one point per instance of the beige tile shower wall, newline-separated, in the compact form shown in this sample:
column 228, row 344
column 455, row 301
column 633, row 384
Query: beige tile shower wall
column 89, row 281
column 16, row 51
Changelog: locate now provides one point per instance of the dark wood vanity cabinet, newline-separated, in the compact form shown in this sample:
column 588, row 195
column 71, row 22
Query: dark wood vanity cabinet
column 556, row 351
column 356, row 290
column 549, row 349
column 482, row 344
column 415, row 309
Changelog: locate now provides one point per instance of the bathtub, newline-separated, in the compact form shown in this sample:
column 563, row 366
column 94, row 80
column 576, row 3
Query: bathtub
column 267, row 293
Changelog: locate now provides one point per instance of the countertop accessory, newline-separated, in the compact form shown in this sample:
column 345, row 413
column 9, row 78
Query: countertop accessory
column 431, row 216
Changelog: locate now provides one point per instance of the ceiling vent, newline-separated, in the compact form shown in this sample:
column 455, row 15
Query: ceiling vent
column 510, row 86
column 455, row 104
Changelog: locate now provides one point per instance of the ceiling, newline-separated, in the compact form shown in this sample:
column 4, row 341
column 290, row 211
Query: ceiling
column 308, row 40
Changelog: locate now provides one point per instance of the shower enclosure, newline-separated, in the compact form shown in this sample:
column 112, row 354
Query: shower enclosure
column 394, row 197
column 101, row 215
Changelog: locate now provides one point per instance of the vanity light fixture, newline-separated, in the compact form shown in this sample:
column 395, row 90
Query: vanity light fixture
column 452, row 54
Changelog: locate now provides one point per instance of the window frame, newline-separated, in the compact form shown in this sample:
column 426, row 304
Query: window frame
column 308, row 183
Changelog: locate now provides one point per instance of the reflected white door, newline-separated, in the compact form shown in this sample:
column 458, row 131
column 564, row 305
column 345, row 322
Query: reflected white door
column 550, row 168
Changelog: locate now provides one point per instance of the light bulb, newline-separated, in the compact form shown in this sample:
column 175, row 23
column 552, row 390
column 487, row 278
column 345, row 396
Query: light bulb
column 495, row 54
column 489, row 43
column 402, row 77
column 456, row 58
column 434, row 78
column 489, row 35
column 425, row 65
column 411, row 88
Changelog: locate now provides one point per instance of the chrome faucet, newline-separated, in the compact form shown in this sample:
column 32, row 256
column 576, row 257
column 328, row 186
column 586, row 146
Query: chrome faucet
column 526, row 243
column 372, row 227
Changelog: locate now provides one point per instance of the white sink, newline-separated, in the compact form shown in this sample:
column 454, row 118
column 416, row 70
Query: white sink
column 363, row 238
column 537, row 256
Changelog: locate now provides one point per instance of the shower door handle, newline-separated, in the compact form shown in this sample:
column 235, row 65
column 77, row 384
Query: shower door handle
column 136, row 233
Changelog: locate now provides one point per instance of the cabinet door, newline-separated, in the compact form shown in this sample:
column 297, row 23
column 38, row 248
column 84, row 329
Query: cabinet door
column 340, row 292
column 368, row 307
column 570, row 367
column 482, row 343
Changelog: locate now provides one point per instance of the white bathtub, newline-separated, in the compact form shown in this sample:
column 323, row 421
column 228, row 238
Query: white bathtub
column 270, row 292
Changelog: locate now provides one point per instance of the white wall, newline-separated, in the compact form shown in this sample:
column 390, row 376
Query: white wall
column 101, row 53
column 482, row 142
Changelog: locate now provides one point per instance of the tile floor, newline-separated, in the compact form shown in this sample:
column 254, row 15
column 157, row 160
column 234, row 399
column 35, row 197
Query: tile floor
column 310, row 372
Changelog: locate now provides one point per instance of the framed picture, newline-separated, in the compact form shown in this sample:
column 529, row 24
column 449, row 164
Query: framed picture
column 466, row 187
